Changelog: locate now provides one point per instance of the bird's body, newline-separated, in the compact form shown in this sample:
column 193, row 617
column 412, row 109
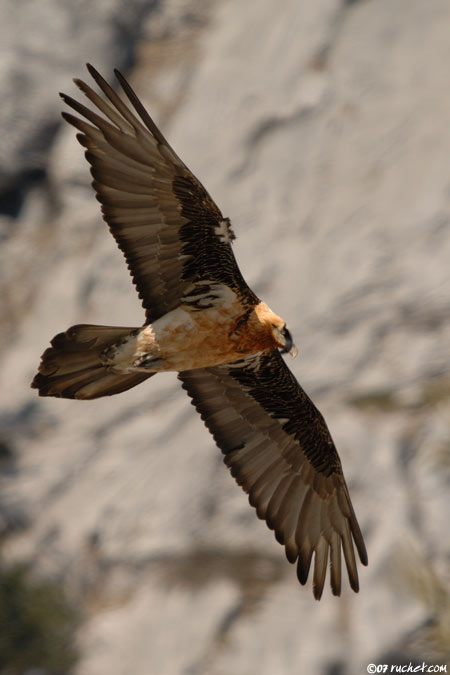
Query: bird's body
column 203, row 321
column 184, row 339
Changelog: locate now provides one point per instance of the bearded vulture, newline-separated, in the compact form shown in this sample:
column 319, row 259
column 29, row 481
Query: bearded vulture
column 203, row 321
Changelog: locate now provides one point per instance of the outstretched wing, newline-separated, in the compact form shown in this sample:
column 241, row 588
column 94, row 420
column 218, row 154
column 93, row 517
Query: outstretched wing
column 173, row 235
column 280, row 451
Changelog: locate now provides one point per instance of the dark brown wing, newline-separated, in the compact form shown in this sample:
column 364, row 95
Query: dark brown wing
column 172, row 233
column 280, row 451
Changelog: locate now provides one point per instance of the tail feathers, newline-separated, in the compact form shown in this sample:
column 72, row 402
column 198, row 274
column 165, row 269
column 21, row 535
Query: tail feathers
column 72, row 366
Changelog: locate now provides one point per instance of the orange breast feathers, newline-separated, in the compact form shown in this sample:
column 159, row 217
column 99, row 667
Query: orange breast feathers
column 258, row 332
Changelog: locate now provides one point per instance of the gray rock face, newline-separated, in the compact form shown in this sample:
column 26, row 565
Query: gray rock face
column 321, row 129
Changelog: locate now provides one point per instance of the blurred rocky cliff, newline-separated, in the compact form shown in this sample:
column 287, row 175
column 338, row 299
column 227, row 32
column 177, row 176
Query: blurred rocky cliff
column 322, row 130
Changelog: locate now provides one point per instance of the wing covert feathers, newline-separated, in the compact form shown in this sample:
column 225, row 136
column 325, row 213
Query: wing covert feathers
column 170, row 230
column 278, row 448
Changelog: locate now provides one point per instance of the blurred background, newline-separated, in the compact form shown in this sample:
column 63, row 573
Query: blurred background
column 322, row 130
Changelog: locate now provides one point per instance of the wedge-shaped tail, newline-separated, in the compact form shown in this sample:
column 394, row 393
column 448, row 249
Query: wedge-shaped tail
column 72, row 366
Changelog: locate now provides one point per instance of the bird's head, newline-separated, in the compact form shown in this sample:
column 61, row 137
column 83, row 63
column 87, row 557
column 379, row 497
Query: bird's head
column 275, row 329
column 283, row 339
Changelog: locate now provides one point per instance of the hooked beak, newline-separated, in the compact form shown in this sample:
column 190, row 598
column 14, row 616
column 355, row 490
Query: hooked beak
column 289, row 347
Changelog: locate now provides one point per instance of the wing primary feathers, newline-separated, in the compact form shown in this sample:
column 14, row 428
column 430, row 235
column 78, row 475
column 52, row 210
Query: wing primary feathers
column 349, row 556
column 304, row 563
column 347, row 508
column 81, row 125
column 358, row 538
column 320, row 567
column 102, row 105
column 141, row 111
column 90, row 115
column 335, row 563
column 114, row 98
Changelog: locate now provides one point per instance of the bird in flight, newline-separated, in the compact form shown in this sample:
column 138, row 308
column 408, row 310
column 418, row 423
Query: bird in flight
column 203, row 321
